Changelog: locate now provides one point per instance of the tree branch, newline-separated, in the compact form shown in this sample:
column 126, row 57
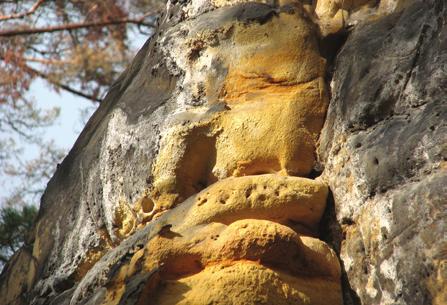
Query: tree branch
column 58, row 84
column 73, row 26
column 24, row 14
column 75, row 92
column 62, row 86
column 46, row 61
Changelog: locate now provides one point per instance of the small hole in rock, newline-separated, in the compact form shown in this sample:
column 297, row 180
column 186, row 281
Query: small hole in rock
column 147, row 205
column 347, row 221
column 202, row 202
column 262, row 197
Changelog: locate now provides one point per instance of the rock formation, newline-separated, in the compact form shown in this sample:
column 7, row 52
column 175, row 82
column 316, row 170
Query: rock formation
column 384, row 151
column 265, row 152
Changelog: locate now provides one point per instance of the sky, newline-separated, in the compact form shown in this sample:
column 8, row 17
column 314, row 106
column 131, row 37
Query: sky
column 70, row 121
column 74, row 113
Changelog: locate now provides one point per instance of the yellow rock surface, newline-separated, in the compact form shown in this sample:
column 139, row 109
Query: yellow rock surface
column 272, row 59
column 437, row 282
column 255, row 284
column 124, row 220
column 335, row 15
column 246, row 225
column 273, row 101
column 245, row 230
column 282, row 199
column 22, row 268
column 188, row 255
column 272, row 136
column 249, row 239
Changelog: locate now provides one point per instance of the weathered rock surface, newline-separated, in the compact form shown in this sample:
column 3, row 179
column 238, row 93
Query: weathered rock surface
column 384, row 151
column 192, row 184
column 223, row 106
column 334, row 15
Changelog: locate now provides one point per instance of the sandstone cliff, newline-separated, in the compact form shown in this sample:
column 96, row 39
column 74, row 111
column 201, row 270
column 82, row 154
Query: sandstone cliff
column 266, row 152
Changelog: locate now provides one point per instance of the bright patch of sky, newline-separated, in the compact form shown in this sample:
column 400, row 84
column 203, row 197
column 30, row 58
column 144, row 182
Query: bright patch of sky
column 74, row 111
column 74, row 114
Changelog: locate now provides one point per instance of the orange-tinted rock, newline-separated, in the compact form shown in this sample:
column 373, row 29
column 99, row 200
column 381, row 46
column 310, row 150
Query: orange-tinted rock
column 188, row 255
column 271, row 100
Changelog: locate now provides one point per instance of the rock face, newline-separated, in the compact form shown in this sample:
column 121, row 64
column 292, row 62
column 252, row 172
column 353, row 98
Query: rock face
column 384, row 151
column 195, row 181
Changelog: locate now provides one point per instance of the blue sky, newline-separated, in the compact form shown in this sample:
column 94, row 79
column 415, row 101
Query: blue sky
column 64, row 132
column 68, row 125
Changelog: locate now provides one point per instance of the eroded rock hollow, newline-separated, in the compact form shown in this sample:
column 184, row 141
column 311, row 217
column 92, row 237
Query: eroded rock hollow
column 257, row 153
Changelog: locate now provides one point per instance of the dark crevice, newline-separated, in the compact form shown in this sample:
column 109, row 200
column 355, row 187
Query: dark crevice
column 315, row 173
column 330, row 46
column 330, row 230
column 332, row 233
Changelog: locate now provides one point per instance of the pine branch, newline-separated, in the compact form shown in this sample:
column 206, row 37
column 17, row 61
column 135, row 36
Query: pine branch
column 74, row 26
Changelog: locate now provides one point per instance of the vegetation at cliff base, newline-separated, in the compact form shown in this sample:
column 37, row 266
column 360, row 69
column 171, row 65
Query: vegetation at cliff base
column 15, row 223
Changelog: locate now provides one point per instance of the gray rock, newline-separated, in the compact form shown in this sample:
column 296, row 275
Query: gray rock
column 76, row 212
column 384, row 152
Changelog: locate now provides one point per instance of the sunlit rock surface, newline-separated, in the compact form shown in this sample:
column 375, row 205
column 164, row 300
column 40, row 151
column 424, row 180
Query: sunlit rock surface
column 384, row 151
column 198, row 180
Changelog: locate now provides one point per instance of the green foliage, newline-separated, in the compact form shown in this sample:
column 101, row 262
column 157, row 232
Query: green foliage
column 15, row 224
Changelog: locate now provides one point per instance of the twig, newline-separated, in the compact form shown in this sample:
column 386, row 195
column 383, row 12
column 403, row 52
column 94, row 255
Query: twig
column 62, row 86
column 24, row 14
column 46, row 61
